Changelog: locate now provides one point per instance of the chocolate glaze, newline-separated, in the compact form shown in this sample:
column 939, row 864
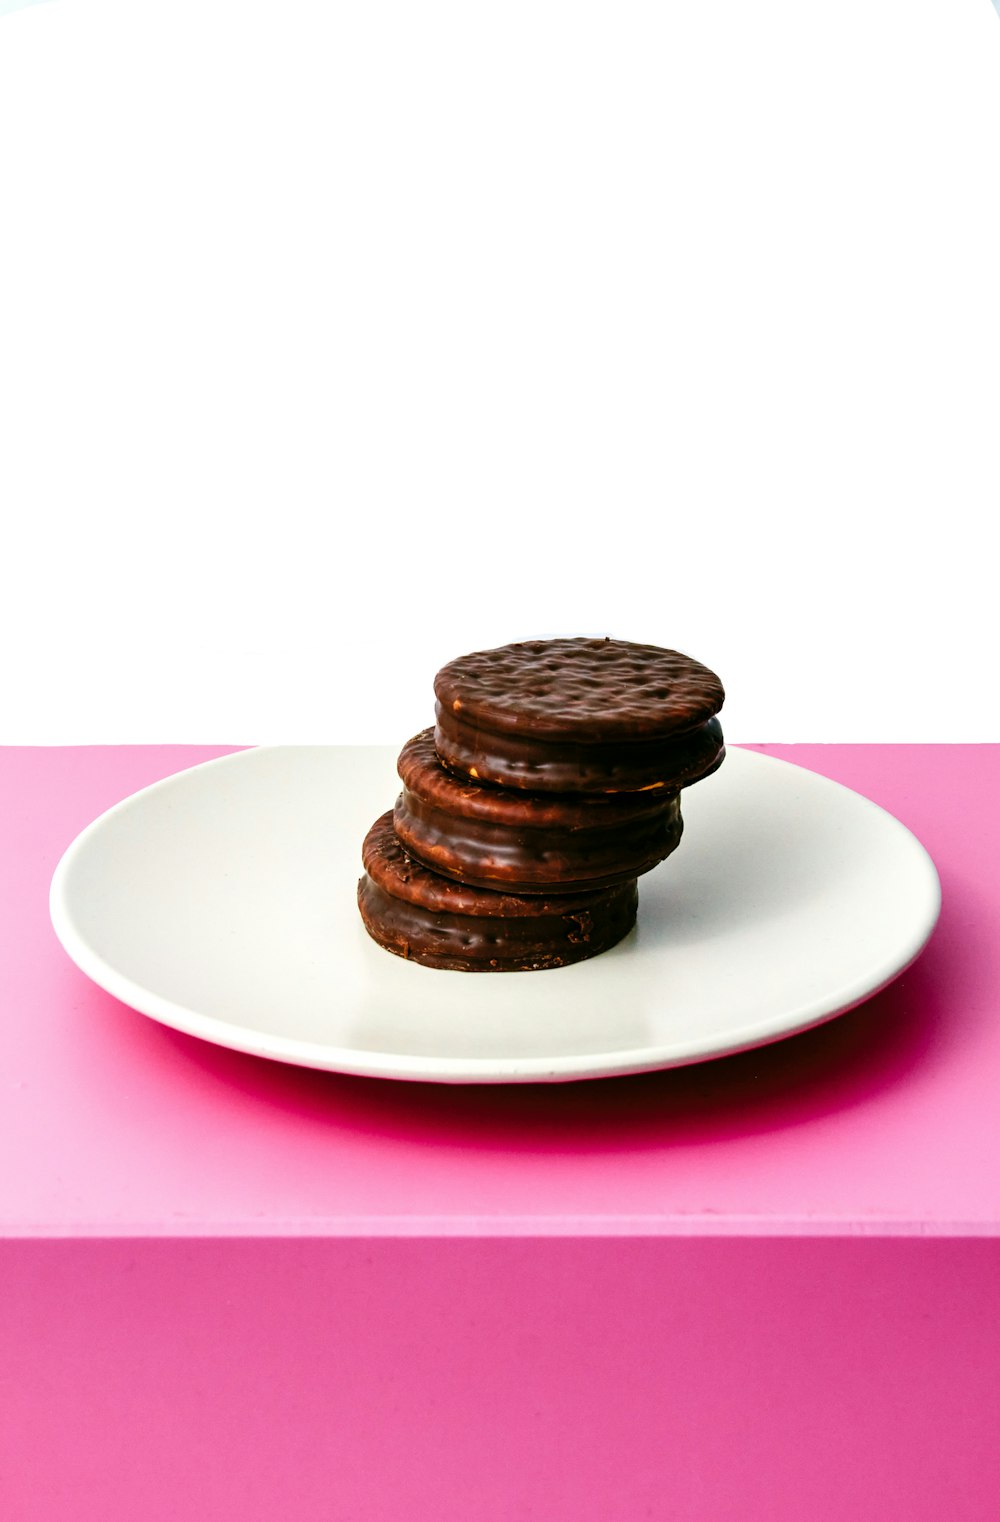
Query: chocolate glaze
column 422, row 773
column 399, row 874
column 539, row 764
column 495, row 838
column 588, row 691
column 498, row 932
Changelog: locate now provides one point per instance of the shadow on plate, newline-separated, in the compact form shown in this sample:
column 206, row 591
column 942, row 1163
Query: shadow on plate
column 847, row 1061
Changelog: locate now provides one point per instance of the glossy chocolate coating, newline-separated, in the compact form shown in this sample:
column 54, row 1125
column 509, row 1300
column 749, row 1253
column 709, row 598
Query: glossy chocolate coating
column 538, row 764
column 430, row 919
column 498, row 838
column 586, row 691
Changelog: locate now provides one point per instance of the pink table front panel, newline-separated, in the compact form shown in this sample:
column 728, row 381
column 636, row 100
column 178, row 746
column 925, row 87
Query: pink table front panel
column 425, row 1379
column 766, row 1287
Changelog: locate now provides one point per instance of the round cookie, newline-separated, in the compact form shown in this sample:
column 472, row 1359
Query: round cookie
column 426, row 918
column 579, row 715
column 499, row 838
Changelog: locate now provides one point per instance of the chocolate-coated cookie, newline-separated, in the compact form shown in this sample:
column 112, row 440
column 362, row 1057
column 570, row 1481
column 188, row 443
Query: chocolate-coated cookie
column 431, row 919
column 500, row 838
column 579, row 715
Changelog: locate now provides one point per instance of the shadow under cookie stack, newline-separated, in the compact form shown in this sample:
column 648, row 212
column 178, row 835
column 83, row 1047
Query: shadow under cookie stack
column 550, row 782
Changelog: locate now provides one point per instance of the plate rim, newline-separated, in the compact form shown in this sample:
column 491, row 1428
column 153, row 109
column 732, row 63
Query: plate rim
column 361, row 1062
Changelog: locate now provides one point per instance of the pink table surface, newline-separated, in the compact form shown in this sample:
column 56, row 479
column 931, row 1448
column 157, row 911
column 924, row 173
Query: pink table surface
column 767, row 1286
column 883, row 1120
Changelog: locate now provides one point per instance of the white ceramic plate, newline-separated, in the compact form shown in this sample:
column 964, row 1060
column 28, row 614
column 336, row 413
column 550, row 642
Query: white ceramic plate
column 221, row 901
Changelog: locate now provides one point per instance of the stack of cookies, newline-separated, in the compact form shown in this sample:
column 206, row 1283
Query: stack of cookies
column 550, row 783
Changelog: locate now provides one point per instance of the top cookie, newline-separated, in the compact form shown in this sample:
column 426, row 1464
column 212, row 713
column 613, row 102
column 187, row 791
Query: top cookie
column 580, row 690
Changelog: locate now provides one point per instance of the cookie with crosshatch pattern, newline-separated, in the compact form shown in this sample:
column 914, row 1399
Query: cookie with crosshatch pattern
column 579, row 716
column 504, row 838
column 426, row 918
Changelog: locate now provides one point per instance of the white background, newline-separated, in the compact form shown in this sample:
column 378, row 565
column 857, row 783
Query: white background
column 337, row 339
